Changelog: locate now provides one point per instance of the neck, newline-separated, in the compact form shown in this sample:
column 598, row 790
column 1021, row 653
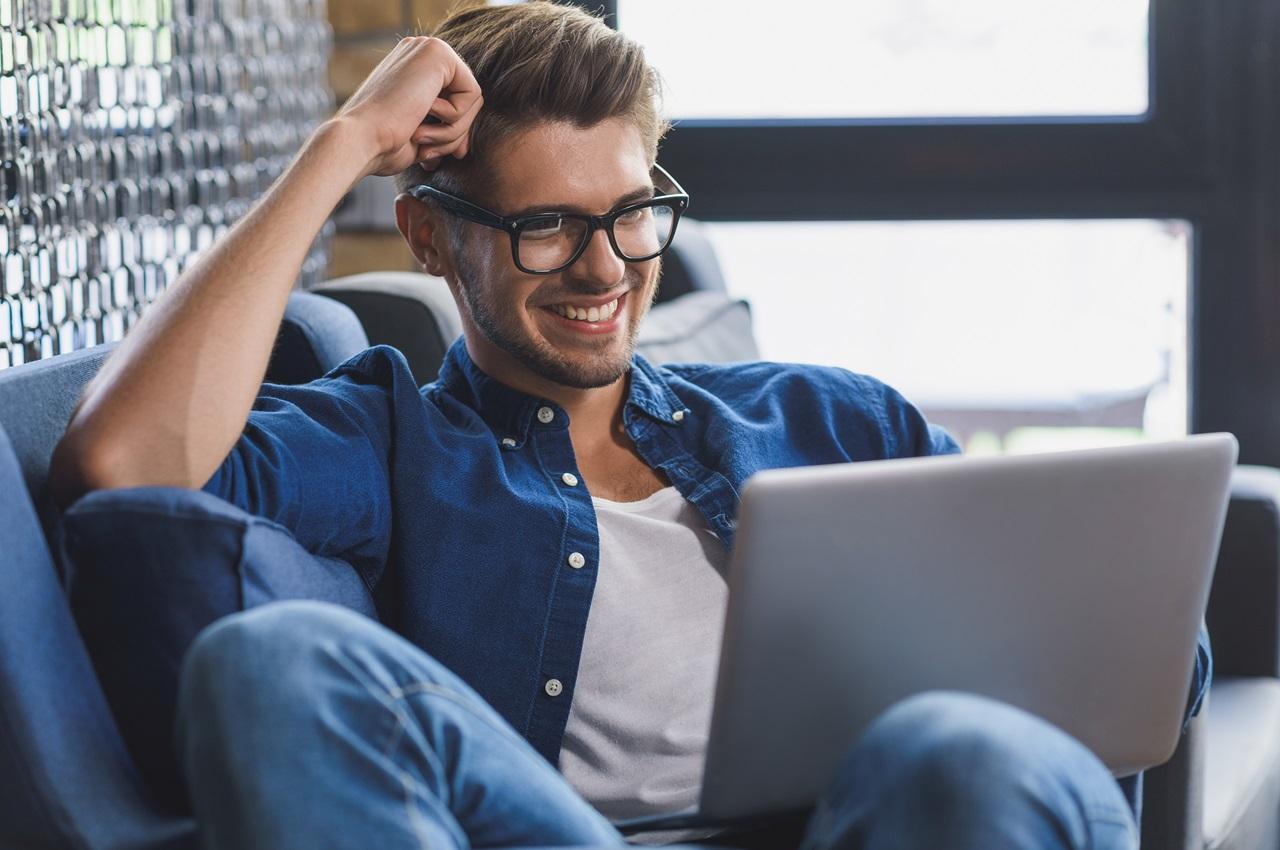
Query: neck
column 592, row 411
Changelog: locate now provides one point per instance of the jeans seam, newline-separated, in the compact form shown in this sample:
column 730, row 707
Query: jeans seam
column 389, row 698
column 407, row 781
column 411, row 810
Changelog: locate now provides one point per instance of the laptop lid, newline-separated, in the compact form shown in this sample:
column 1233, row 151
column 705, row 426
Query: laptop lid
column 1070, row 584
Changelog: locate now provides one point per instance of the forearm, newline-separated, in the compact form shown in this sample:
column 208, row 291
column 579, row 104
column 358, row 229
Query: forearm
column 173, row 398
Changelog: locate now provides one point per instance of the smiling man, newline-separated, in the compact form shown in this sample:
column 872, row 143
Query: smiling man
column 545, row 527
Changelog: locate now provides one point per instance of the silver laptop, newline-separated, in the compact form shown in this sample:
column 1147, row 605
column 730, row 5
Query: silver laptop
column 1070, row 584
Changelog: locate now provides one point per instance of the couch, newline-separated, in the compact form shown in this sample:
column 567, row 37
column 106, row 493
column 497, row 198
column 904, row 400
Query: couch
column 68, row 780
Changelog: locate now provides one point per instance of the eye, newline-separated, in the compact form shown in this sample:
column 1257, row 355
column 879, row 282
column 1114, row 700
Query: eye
column 633, row 216
column 543, row 227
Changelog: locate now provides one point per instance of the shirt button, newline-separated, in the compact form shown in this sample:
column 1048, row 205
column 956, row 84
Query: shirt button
column 545, row 415
column 570, row 479
column 553, row 687
column 677, row 416
column 509, row 442
column 577, row 561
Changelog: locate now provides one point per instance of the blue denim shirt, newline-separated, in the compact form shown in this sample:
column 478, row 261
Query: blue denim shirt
column 450, row 501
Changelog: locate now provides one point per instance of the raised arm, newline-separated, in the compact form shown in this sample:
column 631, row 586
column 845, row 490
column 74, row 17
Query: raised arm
column 171, row 401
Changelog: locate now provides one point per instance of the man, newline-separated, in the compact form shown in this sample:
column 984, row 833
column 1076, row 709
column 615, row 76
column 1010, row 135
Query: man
column 545, row 526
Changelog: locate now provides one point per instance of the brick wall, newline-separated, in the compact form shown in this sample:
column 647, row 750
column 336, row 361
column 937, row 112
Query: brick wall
column 363, row 32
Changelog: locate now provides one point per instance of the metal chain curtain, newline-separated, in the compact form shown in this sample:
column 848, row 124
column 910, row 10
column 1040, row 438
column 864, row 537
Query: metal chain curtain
column 133, row 133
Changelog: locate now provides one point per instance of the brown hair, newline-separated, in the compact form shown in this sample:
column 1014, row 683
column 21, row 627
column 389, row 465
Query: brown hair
column 540, row 61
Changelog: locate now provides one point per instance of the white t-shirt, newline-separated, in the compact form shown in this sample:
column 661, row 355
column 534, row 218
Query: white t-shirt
column 637, row 732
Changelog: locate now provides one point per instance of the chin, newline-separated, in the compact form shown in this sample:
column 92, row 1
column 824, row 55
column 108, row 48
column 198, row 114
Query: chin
column 581, row 372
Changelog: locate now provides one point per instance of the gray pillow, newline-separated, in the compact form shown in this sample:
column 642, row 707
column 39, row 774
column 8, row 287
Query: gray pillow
column 701, row 327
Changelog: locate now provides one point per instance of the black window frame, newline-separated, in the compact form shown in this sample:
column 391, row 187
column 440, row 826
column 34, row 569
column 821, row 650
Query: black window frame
column 1207, row 151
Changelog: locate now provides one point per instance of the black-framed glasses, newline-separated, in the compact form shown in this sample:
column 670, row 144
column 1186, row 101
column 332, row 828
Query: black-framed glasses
column 545, row 243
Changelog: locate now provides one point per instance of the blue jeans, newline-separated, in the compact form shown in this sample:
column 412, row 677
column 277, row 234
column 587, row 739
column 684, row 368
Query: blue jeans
column 302, row 725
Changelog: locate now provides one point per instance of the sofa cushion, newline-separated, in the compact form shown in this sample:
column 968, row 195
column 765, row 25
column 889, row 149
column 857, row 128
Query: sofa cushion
column 149, row 568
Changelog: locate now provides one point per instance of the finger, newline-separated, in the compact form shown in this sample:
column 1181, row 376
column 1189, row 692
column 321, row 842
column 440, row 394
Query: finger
column 444, row 111
column 468, row 120
column 440, row 151
column 438, row 134
column 460, row 87
column 435, row 137
column 428, row 159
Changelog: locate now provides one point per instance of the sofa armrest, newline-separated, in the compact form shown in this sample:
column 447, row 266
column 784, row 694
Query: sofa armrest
column 1244, row 606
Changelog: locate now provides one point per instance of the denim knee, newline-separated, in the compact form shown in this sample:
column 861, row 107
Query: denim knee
column 959, row 770
column 955, row 747
column 267, row 657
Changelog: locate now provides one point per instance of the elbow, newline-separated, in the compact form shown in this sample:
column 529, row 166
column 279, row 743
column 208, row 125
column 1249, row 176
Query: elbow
column 83, row 463
column 77, row 469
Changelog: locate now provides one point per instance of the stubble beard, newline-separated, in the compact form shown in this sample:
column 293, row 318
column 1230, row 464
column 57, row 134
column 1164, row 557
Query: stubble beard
column 542, row 359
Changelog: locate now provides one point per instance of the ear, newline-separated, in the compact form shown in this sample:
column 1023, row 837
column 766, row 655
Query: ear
column 423, row 228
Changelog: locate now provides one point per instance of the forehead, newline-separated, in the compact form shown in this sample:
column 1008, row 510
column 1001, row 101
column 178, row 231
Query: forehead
column 558, row 164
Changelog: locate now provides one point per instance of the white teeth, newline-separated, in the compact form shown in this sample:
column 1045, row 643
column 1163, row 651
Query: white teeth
column 587, row 314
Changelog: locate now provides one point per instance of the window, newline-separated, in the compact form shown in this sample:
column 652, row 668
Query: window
column 897, row 58
column 1012, row 334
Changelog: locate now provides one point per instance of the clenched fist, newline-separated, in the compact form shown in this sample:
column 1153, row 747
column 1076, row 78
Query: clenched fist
column 415, row 107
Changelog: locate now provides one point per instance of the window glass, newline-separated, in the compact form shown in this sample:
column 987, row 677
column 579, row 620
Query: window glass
column 895, row 58
column 1016, row 335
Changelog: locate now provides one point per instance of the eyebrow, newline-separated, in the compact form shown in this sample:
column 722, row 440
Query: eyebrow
column 643, row 193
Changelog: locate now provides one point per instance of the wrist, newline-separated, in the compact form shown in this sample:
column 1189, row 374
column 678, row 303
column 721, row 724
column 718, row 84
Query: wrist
column 356, row 145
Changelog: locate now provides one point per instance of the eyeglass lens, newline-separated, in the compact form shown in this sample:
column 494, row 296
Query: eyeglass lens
column 548, row 242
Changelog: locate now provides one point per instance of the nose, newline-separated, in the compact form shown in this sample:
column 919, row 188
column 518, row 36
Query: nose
column 599, row 265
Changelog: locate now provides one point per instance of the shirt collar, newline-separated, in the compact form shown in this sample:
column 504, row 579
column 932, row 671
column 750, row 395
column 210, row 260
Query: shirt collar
column 511, row 413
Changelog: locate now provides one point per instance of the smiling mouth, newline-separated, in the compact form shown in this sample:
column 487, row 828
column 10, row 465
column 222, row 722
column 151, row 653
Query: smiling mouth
column 602, row 313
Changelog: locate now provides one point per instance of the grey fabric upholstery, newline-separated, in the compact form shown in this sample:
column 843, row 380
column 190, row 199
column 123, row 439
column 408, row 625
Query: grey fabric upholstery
column 1242, row 766
column 700, row 327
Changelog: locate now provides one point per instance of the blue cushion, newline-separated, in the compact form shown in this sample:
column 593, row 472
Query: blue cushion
column 149, row 568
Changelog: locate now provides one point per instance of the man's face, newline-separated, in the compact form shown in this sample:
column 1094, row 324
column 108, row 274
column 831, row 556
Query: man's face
column 523, row 319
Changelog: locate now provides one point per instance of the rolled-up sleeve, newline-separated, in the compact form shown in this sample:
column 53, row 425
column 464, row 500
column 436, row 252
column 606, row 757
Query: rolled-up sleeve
column 314, row 458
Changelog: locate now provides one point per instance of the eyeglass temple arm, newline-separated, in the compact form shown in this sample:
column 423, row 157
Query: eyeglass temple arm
column 464, row 208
